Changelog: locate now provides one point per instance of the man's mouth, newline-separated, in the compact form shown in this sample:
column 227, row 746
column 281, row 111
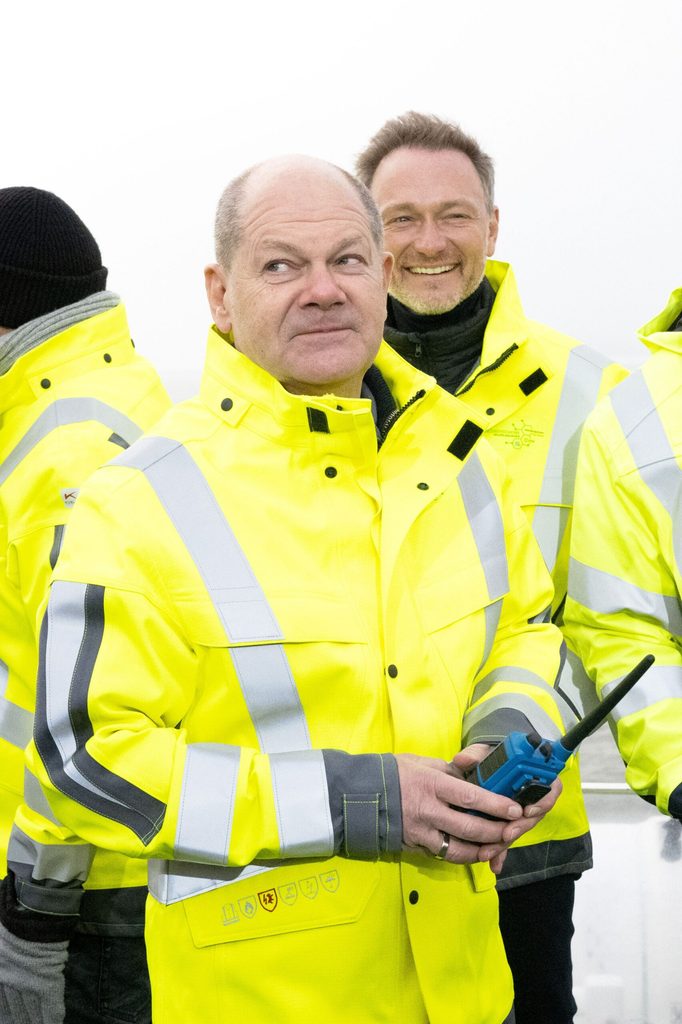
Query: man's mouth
column 432, row 270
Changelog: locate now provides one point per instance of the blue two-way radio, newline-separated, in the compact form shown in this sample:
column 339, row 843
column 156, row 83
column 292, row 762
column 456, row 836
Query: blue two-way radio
column 523, row 766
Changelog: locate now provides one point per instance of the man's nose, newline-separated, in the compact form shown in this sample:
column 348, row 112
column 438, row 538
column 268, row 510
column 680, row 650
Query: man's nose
column 322, row 289
column 430, row 240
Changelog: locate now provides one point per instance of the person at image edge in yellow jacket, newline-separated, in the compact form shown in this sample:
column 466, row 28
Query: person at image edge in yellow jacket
column 456, row 314
column 625, row 577
column 73, row 393
column 314, row 581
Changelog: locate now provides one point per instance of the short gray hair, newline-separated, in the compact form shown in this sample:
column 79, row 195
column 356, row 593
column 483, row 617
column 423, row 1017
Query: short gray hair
column 425, row 131
column 228, row 220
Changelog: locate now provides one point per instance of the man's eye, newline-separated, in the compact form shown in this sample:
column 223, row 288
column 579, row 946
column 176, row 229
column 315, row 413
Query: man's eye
column 350, row 260
column 402, row 219
column 277, row 266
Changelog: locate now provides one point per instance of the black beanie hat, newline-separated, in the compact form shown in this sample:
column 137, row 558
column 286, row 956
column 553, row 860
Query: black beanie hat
column 48, row 258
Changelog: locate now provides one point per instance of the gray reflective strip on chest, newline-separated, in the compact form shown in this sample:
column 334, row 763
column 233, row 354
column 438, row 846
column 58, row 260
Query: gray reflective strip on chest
column 64, row 412
column 487, row 527
column 265, row 679
column 485, row 521
column 579, row 395
column 661, row 682
column 651, row 451
column 16, row 724
column 608, row 595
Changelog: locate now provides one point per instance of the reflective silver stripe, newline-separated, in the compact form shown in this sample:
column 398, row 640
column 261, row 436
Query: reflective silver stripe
column 486, row 525
column 269, row 690
column 207, row 802
column 191, row 506
column 579, row 394
column 492, row 620
column 299, row 784
column 62, row 413
column 538, row 718
column 173, row 881
column 653, row 455
column 16, row 724
column 607, row 595
column 577, row 686
column 661, row 682
column 62, row 862
column 35, row 798
column 66, row 631
column 514, row 674
column 271, row 697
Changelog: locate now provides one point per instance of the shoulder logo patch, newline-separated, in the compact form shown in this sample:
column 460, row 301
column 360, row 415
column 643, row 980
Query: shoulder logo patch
column 69, row 495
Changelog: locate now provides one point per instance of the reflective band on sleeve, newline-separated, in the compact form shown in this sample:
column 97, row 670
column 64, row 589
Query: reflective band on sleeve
column 16, row 724
column 486, row 525
column 191, row 506
column 70, row 638
column 607, row 595
column 492, row 620
column 35, row 798
column 62, row 413
column 512, row 674
column 503, row 704
column 63, row 862
column 661, row 682
column 271, row 697
column 56, row 544
column 299, row 784
column 207, row 802
column 579, row 394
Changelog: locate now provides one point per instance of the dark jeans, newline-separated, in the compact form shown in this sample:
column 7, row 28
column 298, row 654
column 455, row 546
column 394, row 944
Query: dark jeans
column 537, row 928
column 107, row 981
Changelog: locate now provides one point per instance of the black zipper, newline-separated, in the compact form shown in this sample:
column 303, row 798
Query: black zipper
column 487, row 369
column 397, row 413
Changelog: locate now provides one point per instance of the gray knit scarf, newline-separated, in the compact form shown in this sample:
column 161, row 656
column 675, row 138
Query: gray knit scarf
column 21, row 340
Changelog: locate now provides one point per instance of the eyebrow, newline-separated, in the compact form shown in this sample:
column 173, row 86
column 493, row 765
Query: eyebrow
column 439, row 207
column 276, row 245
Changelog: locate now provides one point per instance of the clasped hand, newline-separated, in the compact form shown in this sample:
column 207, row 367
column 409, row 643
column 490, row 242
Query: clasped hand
column 436, row 802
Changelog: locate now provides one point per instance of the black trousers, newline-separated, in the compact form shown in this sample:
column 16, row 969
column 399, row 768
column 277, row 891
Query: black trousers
column 106, row 981
column 536, row 922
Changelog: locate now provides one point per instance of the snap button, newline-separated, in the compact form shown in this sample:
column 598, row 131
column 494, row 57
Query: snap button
column 392, row 671
column 45, row 383
column 490, row 411
column 422, row 486
column 107, row 357
column 226, row 404
column 413, row 897
column 330, row 471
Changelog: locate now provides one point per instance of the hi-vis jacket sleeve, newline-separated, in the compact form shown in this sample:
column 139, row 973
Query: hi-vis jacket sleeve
column 624, row 597
column 118, row 675
column 514, row 688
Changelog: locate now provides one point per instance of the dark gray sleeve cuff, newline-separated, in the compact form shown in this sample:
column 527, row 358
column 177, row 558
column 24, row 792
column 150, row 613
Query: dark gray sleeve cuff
column 496, row 726
column 364, row 799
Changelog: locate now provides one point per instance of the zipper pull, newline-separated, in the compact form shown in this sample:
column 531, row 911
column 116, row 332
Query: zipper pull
column 418, row 350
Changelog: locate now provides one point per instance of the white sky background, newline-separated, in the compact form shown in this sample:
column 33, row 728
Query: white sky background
column 139, row 113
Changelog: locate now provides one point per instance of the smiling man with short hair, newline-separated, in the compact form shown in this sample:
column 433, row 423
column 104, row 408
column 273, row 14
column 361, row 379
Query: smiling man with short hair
column 454, row 313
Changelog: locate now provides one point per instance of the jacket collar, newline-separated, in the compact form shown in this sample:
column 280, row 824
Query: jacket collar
column 77, row 349
column 656, row 334
column 507, row 325
column 237, row 390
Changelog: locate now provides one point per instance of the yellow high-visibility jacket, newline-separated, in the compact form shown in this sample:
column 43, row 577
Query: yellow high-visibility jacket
column 625, row 580
column 280, row 606
column 66, row 406
column 532, row 391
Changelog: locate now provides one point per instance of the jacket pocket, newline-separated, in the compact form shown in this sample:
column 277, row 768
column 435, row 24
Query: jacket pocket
column 285, row 899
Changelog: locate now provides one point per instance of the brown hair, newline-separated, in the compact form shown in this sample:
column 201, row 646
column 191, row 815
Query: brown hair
column 424, row 131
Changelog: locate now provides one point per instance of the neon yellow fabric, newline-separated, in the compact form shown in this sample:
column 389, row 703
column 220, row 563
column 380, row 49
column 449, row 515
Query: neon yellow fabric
column 371, row 567
column 93, row 359
column 520, row 427
column 626, row 537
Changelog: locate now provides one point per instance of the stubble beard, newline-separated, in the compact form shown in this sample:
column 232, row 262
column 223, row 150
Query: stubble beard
column 425, row 305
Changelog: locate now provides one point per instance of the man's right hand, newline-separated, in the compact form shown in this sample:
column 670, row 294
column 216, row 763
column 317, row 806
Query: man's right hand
column 437, row 802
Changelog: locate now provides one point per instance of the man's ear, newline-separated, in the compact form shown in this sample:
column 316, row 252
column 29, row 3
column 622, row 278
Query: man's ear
column 493, row 229
column 216, row 292
column 388, row 261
